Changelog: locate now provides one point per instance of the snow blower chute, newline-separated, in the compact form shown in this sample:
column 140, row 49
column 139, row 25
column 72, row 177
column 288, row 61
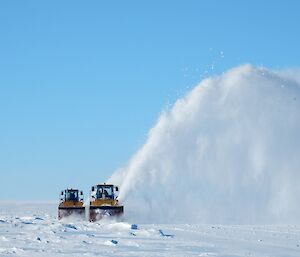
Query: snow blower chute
column 104, row 203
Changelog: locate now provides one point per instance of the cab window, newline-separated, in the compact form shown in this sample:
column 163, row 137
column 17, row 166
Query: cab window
column 72, row 195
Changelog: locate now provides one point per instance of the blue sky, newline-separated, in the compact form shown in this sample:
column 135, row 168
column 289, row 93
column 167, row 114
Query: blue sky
column 82, row 82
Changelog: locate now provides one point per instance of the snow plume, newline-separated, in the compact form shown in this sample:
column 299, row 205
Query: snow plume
column 227, row 152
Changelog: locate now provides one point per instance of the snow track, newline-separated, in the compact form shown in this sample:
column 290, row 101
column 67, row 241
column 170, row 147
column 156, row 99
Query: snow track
column 33, row 232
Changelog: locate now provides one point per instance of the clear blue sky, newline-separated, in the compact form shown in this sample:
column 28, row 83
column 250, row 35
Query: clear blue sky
column 81, row 82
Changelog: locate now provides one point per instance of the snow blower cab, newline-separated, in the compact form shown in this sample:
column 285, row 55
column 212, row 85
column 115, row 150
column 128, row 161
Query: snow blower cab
column 71, row 203
column 104, row 202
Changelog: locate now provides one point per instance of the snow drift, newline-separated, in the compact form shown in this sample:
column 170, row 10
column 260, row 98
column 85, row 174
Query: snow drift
column 227, row 152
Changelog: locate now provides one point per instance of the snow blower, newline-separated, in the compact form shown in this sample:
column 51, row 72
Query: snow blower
column 71, row 203
column 104, row 202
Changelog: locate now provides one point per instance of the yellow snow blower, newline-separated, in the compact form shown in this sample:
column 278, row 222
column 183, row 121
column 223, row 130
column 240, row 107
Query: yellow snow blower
column 104, row 202
column 71, row 203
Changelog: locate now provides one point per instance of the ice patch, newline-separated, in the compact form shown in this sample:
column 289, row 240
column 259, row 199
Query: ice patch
column 134, row 226
column 165, row 235
column 111, row 243
column 70, row 226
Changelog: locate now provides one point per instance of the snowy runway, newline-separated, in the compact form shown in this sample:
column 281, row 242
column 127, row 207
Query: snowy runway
column 35, row 231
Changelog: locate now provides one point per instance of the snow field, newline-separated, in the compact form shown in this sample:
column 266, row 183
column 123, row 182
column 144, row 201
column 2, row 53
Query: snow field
column 39, row 233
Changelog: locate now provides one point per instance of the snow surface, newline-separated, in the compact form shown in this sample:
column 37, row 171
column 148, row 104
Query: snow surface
column 228, row 152
column 32, row 229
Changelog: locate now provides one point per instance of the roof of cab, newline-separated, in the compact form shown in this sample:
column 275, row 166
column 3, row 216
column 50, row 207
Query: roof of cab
column 104, row 184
